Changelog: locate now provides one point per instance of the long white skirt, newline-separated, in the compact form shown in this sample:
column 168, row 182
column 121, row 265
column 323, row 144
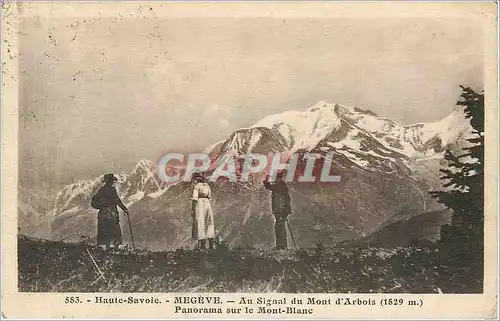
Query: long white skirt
column 203, row 220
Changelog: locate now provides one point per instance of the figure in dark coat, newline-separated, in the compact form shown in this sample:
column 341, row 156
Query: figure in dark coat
column 108, row 219
column 280, row 204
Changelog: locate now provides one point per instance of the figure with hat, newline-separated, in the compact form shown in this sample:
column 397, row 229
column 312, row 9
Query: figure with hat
column 106, row 200
column 203, row 229
column 280, row 205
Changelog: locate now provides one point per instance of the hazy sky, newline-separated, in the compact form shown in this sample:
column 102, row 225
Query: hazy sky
column 100, row 95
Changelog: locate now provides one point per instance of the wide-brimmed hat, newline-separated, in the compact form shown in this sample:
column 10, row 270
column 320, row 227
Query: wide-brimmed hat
column 110, row 178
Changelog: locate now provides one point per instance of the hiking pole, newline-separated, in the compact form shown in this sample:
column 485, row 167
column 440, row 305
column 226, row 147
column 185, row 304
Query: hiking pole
column 96, row 266
column 130, row 229
column 291, row 233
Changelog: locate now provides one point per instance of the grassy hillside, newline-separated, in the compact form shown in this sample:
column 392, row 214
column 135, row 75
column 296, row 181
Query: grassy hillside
column 60, row 267
column 423, row 226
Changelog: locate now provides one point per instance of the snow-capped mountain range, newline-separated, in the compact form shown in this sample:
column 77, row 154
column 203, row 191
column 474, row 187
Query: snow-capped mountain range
column 361, row 136
column 361, row 140
column 143, row 181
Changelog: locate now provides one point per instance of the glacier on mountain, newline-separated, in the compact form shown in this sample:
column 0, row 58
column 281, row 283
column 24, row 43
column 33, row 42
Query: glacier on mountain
column 305, row 129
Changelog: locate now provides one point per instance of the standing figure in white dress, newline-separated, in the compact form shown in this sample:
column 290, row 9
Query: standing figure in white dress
column 203, row 216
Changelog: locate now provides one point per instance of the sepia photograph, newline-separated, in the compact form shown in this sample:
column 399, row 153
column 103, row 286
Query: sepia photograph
column 220, row 153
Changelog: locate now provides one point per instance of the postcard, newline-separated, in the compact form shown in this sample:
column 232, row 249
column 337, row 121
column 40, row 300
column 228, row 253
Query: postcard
column 249, row 160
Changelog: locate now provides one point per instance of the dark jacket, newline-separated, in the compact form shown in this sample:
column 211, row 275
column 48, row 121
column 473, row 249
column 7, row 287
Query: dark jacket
column 107, row 196
column 280, row 199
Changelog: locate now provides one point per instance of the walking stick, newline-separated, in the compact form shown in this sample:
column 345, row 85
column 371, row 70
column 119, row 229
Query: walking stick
column 130, row 229
column 96, row 266
column 291, row 233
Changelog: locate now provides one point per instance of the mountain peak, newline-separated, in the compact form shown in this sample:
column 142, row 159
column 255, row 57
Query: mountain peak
column 304, row 129
column 322, row 105
column 255, row 139
column 143, row 164
column 352, row 131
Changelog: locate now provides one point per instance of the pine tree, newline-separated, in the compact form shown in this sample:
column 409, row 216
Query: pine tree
column 464, row 177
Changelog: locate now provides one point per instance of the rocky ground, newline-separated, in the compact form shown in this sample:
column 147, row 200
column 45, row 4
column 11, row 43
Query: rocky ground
column 46, row 266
